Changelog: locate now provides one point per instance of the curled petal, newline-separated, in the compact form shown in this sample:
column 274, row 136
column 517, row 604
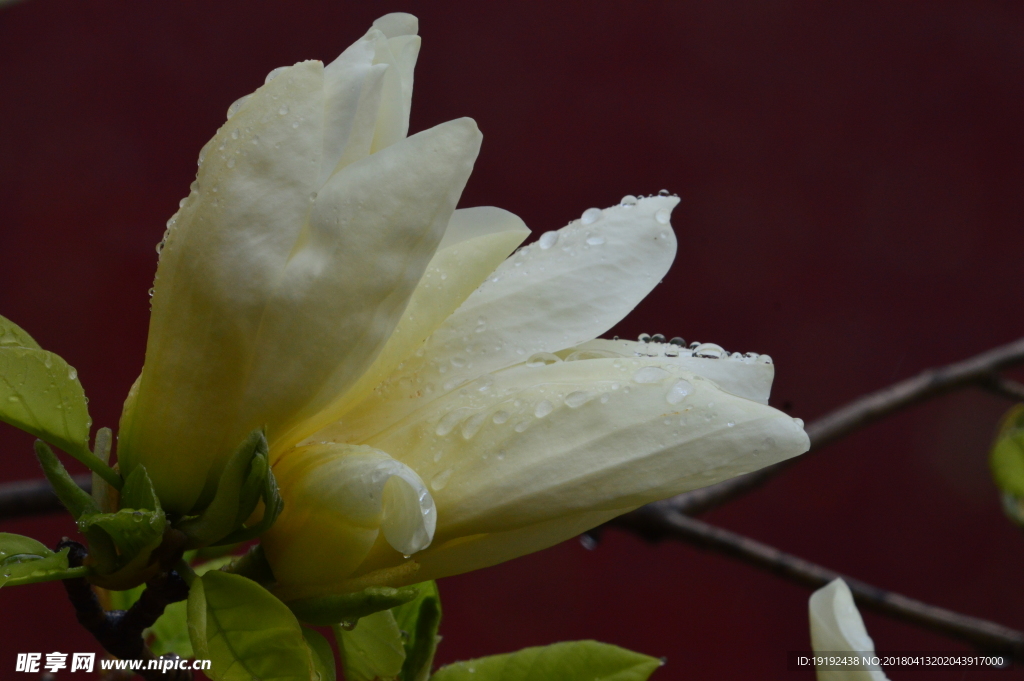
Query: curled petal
column 836, row 628
column 339, row 499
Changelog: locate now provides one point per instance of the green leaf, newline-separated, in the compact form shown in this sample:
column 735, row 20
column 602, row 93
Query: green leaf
column 13, row 336
column 323, row 656
column 329, row 610
column 75, row 499
column 221, row 517
column 373, row 649
column 419, row 620
column 24, row 560
column 133, row 531
column 170, row 632
column 245, row 631
column 569, row 661
column 40, row 394
column 138, row 491
column 1007, row 456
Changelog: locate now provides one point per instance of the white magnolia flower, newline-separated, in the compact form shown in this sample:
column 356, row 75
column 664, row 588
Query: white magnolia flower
column 837, row 628
column 418, row 386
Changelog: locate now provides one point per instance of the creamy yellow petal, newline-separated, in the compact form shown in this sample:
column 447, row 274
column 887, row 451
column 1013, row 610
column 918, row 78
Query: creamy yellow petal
column 475, row 552
column 836, row 628
column 339, row 498
column 352, row 92
column 474, row 243
column 397, row 46
column 225, row 249
column 372, row 232
column 748, row 375
column 534, row 443
column 562, row 290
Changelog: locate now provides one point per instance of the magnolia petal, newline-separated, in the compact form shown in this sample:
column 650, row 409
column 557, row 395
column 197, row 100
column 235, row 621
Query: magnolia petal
column 398, row 49
column 475, row 552
column 533, row 443
column 836, row 628
column 334, row 308
column 474, row 243
column 545, row 298
column 352, row 91
column 747, row 376
column 226, row 247
column 339, row 498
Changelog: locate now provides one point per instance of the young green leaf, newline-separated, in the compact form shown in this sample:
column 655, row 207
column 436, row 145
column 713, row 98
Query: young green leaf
column 569, row 661
column 75, row 499
column 13, row 336
column 329, row 610
column 24, row 560
column 138, row 492
column 323, row 656
column 221, row 517
column 419, row 619
column 373, row 650
column 170, row 632
column 245, row 631
column 133, row 531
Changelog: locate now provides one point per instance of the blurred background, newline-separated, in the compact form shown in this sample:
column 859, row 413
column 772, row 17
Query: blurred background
column 851, row 183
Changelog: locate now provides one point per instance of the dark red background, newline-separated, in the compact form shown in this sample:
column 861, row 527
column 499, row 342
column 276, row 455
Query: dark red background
column 850, row 175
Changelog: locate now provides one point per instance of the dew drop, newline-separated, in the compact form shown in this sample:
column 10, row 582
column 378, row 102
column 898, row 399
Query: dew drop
column 12, row 398
column 547, row 240
column 650, row 375
column 235, row 106
column 449, row 421
column 234, row 134
column 542, row 358
column 604, row 398
column 658, row 338
column 471, row 426
column 438, row 482
column 521, row 426
column 543, row 408
column 764, row 359
column 678, row 392
column 628, row 201
column 577, row 399
column 283, row 111
column 501, row 416
column 709, row 351
column 150, row 292
column 799, row 423
column 644, row 338
column 590, row 216
column 458, row 361
column 662, row 216
column 595, row 240
column 663, row 192
column 274, row 73
column 731, row 424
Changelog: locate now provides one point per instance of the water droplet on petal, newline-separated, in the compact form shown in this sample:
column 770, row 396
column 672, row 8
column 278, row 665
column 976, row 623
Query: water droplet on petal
column 595, row 240
column 438, row 482
column 662, row 216
column 235, row 106
column 764, row 359
column 547, row 240
column 471, row 426
column 650, row 375
column 274, row 73
column 628, row 201
column 501, row 416
column 283, row 111
column 799, row 423
column 644, row 338
column 678, row 392
column 663, row 192
column 542, row 358
column 543, row 408
column 709, row 351
column 590, row 216
column 578, row 398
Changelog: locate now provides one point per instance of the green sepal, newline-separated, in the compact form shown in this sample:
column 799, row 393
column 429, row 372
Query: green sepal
column 75, row 499
column 224, row 514
column 273, row 504
column 420, row 619
column 568, row 661
column 133, row 531
column 138, row 492
column 372, row 649
column 24, row 560
column 40, row 394
column 329, row 610
column 323, row 656
column 245, row 631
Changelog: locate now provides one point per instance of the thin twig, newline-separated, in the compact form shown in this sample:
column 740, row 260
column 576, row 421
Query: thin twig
column 658, row 521
column 33, row 497
column 979, row 370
